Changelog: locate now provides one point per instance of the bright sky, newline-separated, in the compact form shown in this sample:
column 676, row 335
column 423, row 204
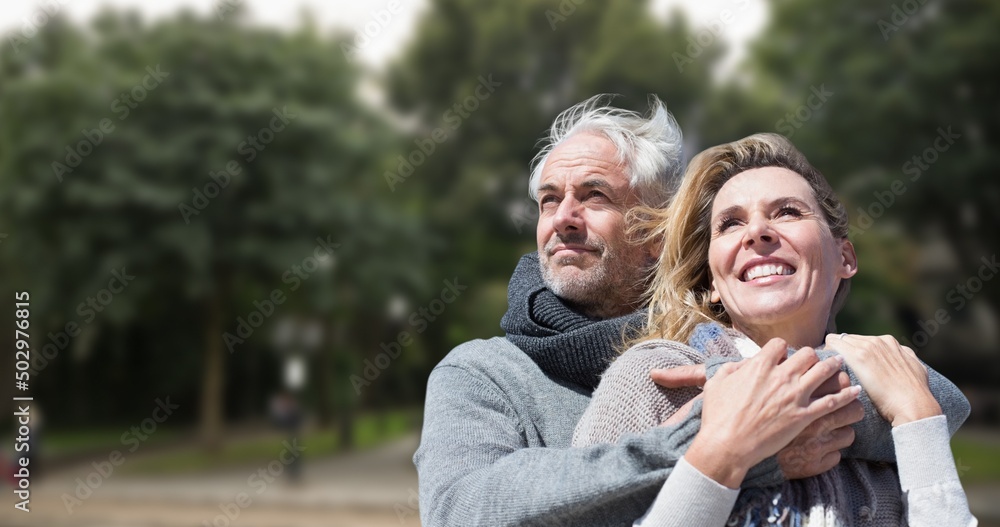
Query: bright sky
column 396, row 29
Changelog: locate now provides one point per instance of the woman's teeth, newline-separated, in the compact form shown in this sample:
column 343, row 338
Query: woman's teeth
column 759, row 271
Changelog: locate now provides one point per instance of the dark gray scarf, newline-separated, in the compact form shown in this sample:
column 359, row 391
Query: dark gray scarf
column 565, row 344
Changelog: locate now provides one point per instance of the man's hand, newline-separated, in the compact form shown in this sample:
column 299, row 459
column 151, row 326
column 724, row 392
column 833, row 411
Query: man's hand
column 817, row 448
column 680, row 377
column 814, row 451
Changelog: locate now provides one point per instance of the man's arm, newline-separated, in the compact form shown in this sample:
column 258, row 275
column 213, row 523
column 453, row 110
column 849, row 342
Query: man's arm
column 476, row 468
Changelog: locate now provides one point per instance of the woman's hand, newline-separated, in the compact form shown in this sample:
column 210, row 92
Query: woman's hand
column 753, row 410
column 894, row 378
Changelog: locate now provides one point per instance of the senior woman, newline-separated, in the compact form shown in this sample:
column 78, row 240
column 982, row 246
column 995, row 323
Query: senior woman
column 754, row 261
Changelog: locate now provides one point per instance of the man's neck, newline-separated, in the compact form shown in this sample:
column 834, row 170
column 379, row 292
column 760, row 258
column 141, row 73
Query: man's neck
column 605, row 310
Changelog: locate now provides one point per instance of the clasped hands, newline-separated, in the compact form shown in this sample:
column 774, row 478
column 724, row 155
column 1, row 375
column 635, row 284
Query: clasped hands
column 816, row 448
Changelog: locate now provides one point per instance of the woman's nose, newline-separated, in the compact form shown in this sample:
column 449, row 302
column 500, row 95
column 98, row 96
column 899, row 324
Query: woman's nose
column 758, row 230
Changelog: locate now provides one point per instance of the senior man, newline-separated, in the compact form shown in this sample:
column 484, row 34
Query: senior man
column 500, row 413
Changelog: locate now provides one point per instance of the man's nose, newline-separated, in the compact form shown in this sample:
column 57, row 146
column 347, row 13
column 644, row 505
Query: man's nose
column 569, row 216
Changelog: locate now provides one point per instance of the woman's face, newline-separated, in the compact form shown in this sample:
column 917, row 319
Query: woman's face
column 773, row 260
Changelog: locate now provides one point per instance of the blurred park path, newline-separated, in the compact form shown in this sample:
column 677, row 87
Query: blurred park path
column 375, row 487
column 371, row 488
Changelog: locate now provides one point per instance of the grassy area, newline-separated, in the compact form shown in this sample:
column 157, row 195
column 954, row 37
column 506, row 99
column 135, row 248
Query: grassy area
column 58, row 444
column 369, row 430
column 977, row 460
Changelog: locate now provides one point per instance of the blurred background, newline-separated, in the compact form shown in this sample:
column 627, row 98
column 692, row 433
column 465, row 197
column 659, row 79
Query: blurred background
column 249, row 229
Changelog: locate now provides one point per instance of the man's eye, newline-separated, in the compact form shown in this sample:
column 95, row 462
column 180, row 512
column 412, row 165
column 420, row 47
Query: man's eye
column 547, row 199
column 596, row 194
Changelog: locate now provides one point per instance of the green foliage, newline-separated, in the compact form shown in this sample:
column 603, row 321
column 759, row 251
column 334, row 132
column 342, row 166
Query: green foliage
column 208, row 158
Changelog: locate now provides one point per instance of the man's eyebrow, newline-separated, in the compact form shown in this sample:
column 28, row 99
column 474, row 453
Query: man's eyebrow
column 590, row 183
column 600, row 183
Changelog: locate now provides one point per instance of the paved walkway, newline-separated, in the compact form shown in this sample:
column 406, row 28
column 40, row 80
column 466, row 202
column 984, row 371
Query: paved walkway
column 371, row 488
column 374, row 488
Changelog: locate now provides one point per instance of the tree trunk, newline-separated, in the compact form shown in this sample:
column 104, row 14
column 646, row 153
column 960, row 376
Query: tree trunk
column 323, row 384
column 213, row 377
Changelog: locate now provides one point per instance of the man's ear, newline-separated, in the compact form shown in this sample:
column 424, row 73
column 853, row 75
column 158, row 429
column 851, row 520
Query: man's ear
column 849, row 259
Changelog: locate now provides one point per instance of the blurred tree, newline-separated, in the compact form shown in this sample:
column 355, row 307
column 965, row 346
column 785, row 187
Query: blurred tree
column 211, row 161
column 898, row 107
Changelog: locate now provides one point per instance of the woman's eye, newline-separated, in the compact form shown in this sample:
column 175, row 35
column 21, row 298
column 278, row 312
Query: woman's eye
column 789, row 211
column 727, row 223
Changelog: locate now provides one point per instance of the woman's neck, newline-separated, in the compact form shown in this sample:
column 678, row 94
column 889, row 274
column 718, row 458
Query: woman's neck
column 796, row 335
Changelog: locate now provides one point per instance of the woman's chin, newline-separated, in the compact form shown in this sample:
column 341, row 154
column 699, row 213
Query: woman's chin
column 769, row 312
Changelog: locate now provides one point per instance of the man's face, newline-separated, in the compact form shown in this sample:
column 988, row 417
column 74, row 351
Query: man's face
column 583, row 197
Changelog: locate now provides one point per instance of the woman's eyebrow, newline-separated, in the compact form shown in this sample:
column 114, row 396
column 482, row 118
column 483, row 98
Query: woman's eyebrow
column 789, row 200
column 777, row 202
column 728, row 211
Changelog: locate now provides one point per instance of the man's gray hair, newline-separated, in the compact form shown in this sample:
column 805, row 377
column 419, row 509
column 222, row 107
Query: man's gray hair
column 649, row 148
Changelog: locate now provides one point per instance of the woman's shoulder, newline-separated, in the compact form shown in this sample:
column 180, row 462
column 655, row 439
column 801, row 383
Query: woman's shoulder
column 657, row 353
column 627, row 400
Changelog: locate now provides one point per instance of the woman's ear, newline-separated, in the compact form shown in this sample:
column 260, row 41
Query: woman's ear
column 715, row 298
column 849, row 259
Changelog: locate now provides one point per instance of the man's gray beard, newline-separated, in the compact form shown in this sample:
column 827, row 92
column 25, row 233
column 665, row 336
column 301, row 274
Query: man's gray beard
column 603, row 291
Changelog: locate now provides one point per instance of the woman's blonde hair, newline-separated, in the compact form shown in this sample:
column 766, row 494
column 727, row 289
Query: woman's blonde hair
column 679, row 293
